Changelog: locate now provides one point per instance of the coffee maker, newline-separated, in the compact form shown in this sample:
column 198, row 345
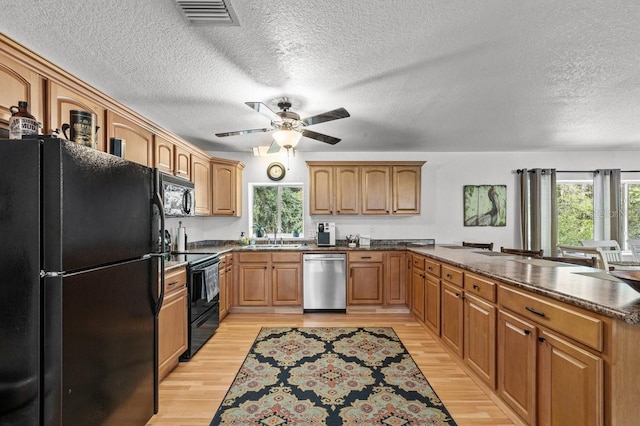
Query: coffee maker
column 326, row 234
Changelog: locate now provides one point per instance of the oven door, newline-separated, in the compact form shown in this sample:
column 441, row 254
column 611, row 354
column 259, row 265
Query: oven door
column 204, row 288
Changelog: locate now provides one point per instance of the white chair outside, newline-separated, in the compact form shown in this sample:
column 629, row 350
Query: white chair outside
column 634, row 245
column 610, row 248
column 582, row 252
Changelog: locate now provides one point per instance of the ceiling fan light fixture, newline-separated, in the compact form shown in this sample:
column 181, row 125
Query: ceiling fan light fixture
column 287, row 138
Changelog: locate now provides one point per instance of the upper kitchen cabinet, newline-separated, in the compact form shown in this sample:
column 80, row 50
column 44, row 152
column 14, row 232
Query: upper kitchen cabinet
column 201, row 178
column 376, row 189
column 226, row 186
column 405, row 189
column 347, row 190
column 364, row 187
column 137, row 141
column 63, row 100
column 18, row 83
column 320, row 189
column 169, row 156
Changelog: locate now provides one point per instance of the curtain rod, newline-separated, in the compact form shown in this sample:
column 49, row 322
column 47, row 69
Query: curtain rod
column 519, row 171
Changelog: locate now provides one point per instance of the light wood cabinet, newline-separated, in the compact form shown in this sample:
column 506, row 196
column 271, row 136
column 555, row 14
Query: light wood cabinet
column 270, row 279
column 222, row 281
column 62, row 100
column 226, row 187
column 230, row 283
column 452, row 320
column 480, row 338
column 395, row 282
column 163, row 155
column 286, row 279
column 376, row 190
column 562, row 366
column 432, row 296
column 365, row 282
column 19, row 83
column 347, row 200
column 365, row 187
column 320, row 190
column 406, row 189
column 418, row 282
column 172, row 321
column 137, row 140
column 201, row 178
column 182, row 162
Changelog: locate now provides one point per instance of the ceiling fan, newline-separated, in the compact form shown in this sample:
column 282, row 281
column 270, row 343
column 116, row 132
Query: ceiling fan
column 288, row 127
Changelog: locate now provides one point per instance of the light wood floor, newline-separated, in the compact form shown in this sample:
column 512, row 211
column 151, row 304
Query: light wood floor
column 192, row 392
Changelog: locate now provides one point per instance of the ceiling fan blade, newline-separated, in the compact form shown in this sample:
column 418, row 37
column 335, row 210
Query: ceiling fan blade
column 264, row 110
column 320, row 137
column 243, row 132
column 274, row 148
column 327, row 116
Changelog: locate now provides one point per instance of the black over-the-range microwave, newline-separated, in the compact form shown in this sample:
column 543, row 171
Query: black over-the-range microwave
column 178, row 196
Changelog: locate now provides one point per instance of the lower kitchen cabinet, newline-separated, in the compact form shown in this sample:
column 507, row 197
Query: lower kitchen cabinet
column 452, row 320
column 395, row 283
column 172, row 321
column 270, row 279
column 230, row 283
column 418, row 282
column 365, row 278
column 224, row 292
column 432, row 295
column 480, row 338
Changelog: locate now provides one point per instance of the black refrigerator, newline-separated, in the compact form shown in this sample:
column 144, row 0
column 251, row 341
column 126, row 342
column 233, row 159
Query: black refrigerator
column 81, row 271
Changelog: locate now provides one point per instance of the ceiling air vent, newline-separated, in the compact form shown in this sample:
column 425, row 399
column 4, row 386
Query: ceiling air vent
column 208, row 12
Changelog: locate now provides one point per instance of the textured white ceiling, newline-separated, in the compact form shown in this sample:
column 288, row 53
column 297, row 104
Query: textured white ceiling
column 416, row 75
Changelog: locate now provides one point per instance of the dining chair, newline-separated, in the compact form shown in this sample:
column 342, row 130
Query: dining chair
column 487, row 246
column 521, row 252
column 591, row 262
column 634, row 245
column 570, row 251
column 610, row 248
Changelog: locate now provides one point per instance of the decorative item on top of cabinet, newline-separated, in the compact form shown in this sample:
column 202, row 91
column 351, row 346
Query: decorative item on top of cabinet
column 226, row 185
column 138, row 140
column 63, row 100
column 201, row 178
column 172, row 321
column 19, row 83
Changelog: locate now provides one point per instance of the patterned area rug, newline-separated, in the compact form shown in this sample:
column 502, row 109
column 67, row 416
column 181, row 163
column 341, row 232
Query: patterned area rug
column 330, row 376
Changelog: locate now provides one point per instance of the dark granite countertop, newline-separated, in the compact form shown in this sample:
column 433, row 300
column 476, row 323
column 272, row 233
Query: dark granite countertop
column 596, row 291
column 588, row 288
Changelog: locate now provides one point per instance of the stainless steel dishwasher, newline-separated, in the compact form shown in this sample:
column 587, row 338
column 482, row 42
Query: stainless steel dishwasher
column 325, row 282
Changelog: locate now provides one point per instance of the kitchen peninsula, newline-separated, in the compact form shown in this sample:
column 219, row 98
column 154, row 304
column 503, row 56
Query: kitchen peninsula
column 532, row 331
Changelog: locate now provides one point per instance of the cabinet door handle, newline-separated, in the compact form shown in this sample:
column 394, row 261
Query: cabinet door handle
column 475, row 287
column 527, row 332
column 449, row 276
column 533, row 311
column 541, row 339
column 172, row 283
column 457, row 294
column 366, row 257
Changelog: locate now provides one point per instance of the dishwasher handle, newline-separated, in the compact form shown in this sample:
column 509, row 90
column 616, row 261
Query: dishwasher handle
column 330, row 259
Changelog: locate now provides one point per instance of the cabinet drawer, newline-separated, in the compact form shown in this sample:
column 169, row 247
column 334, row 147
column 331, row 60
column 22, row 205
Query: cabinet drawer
column 290, row 257
column 254, row 257
column 418, row 262
column 432, row 267
column 570, row 322
column 175, row 279
column 452, row 275
column 365, row 256
column 480, row 287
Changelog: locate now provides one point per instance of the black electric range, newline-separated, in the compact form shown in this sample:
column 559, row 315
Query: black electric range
column 203, row 290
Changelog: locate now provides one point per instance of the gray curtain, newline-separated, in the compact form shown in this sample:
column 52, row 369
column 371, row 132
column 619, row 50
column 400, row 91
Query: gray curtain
column 538, row 210
column 608, row 223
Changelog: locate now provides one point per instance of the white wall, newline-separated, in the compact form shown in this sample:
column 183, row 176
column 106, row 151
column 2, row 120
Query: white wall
column 443, row 178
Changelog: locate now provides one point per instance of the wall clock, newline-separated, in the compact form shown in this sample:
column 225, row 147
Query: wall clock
column 275, row 171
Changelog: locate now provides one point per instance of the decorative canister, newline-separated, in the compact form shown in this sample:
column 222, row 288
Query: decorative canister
column 82, row 128
column 22, row 123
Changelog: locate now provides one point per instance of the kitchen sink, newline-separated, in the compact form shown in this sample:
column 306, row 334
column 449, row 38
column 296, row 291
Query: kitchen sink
column 274, row 246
